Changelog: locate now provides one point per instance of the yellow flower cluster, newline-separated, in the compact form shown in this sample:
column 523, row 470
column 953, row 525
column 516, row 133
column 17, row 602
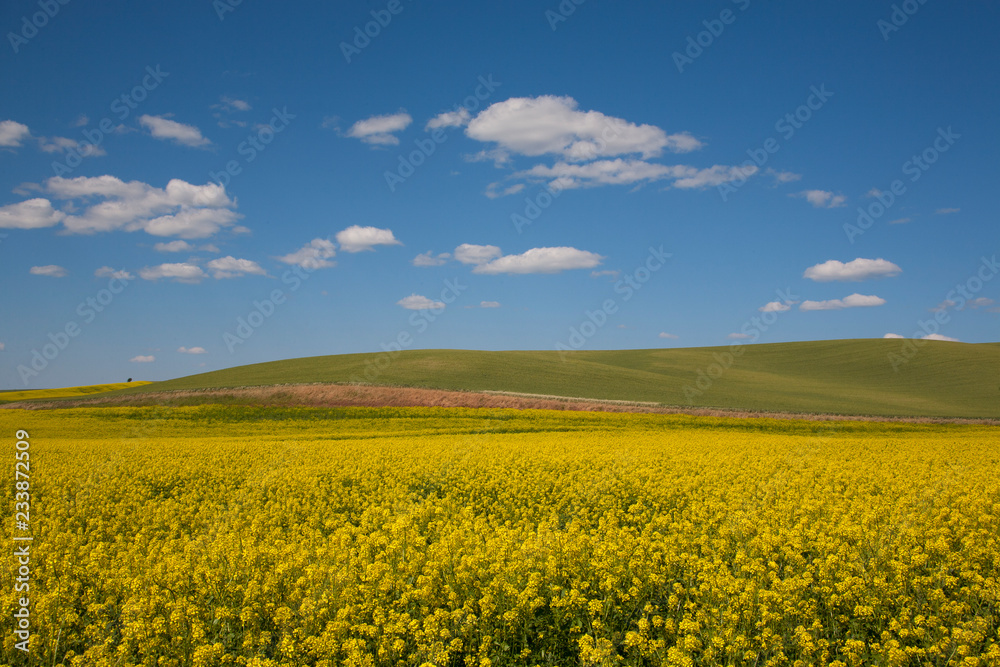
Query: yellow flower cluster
column 232, row 535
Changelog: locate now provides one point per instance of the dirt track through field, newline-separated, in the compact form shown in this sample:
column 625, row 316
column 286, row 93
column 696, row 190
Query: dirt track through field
column 341, row 395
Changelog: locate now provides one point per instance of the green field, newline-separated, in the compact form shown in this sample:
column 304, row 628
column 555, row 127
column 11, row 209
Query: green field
column 853, row 377
column 64, row 392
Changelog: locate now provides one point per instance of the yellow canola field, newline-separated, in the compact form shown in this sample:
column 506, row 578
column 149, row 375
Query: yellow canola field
column 229, row 535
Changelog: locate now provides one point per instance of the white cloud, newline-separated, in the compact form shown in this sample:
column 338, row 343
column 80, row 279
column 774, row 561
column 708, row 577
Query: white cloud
column 418, row 302
column 668, row 336
column 357, row 238
column 181, row 209
column 946, row 211
column 457, row 118
column 378, row 130
column 62, row 144
column 13, row 133
column 232, row 104
column 31, row 214
column 494, row 191
column 628, row 171
column 108, row 272
column 943, row 306
column 430, row 259
column 164, row 128
column 855, row 270
column 738, row 336
column 142, row 359
column 606, row 272
column 900, row 221
column 541, row 260
column 711, row 177
column 173, row 246
column 777, row 306
column 980, row 302
column 50, row 270
column 314, row 255
column 821, row 198
column 939, row 337
column 192, row 350
column 893, row 335
column 181, row 272
column 852, row 301
column 468, row 253
column 489, row 304
column 231, row 267
column 553, row 125
column 782, row 177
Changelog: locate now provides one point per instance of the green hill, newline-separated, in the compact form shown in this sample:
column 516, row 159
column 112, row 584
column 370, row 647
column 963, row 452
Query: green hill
column 844, row 377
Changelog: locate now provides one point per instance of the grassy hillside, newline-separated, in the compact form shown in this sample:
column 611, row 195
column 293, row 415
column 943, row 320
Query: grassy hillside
column 846, row 377
column 64, row 392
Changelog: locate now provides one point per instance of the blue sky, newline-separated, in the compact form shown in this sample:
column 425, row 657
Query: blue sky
column 269, row 182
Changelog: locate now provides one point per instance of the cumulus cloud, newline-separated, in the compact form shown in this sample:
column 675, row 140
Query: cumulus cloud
column 314, row 255
column 50, row 270
column 489, row 304
column 161, row 127
column 173, row 246
column 63, row 144
column 668, row 336
column 430, row 259
column 192, row 350
column 143, row 359
column 418, row 302
column 855, row 270
column 821, row 198
column 893, row 335
column 357, row 238
column 777, row 306
column 541, row 260
column 939, row 337
column 564, row 176
column 181, row 209
column 108, row 272
column 181, row 272
column 943, row 306
column 12, row 133
column 782, row 177
column 852, row 301
column 379, row 130
column 495, row 190
column 554, row 125
column 231, row 267
column 31, row 214
column 457, row 118
column 467, row 253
